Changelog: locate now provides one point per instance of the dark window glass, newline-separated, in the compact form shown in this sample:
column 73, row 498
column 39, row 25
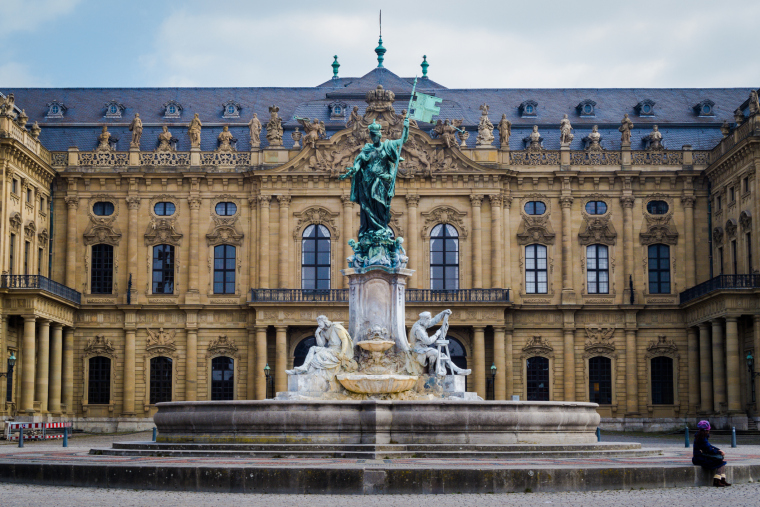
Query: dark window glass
column 535, row 208
column 734, row 256
column 164, row 209
column 99, row 389
column 444, row 258
column 302, row 350
column 103, row 208
column 9, row 387
column 749, row 253
column 224, row 269
column 225, row 209
column 536, row 273
column 102, row 269
column 596, row 207
column 731, row 194
column 160, row 380
column 39, row 261
column 537, row 370
column 11, row 251
column 14, row 186
column 659, row 269
column 662, row 380
column 657, row 207
column 222, row 379
column 163, row 269
column 28, row 195
column 600, row 380
column 315, row 258
column 720, row 260
column 597, row 269
column 27, row 246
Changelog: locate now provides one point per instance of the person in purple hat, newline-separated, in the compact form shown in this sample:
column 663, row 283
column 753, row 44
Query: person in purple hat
column 708, row 456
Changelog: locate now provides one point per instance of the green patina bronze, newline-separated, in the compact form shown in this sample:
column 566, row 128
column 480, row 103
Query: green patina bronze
column 335, row 66
column 424, row 65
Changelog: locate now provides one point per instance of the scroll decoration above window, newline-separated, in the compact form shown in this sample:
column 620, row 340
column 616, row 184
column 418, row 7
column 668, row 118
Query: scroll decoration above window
column 225, row 229
column 103, row 210
column 535, row 226
column 163, row 228
column 597, row 225
column 658, row 225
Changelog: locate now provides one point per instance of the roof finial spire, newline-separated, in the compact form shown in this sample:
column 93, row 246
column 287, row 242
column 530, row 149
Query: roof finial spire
column 335, row 66
column 424, row 66
column 380, row 50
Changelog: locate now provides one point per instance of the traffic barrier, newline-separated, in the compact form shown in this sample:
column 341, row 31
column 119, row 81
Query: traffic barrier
column 36, row 431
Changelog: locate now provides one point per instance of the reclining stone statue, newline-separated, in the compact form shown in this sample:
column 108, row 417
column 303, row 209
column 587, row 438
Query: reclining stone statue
column 437, row 358
column 333, row 352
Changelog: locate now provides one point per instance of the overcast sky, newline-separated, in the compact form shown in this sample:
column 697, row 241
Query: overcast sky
column 469, row 43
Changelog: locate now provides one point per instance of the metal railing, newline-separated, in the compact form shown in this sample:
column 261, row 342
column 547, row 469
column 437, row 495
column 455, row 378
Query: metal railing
column 412, row 296
column 42, row 283
column 721, row 282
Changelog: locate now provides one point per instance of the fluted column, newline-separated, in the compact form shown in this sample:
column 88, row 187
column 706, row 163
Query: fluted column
column 193, row 281
column 28, row 366
column 253, row 242
column 477, row 243
column 56, row 364
column 627, row 202
column 569, row 364
column 733, row 365
column 43, row 365
column 509, row 370
column 129, row 372
column 68, row 369
column 250, row 386
column 264, row 201
column 693, row 366
column 412, row 239
column 499, row 359
column 631, row 373
column 348, row 233
column 497, row 253
column 479, row 355
column 72, row 203
column 284, row 256
column 191, row 366
column 133, row 203
column 567, row 275
column 705, row 369
column 261, row 362
column 691, row 248
column 719, row 368
column 281, row 359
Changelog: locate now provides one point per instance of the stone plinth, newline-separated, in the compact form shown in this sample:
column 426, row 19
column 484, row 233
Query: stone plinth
column 376, row 298
column 377, row 422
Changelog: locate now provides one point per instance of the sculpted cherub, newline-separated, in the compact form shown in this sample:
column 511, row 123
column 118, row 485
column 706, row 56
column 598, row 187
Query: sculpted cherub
column 313, row 131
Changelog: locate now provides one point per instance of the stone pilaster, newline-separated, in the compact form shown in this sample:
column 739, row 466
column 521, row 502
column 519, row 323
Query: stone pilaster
column 497, row 253
column 193, row 280
column 631, row 373
column 507, row 238
column 733, row 366
column 281, row 359
column 191, row 361
column 691, row 249
column 693, row 365
column 264, row 202
column 261, row 362
column 705, row 369
column 508, row 359
column 43, row 365
column 348, row 232
column 284, row 256
column 479, row 356
column 477, row 251
column 129, row 372
column 250, row 384
column 133, row 203
column 56, row 363
column 412, row 238
column 569, row 363
column 72, row 203
column 253, row 239
column 719, row 368
column 627, row 202
column 568, row 295
column 68, row 370
column 500, row 385
column 28, row 366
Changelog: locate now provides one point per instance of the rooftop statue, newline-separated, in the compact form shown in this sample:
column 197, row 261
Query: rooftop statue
column 165, row 140
column 194, row 131
column 104, row 139
column 314, row 131
column 373, row 185
column 505, row 130
column 274, row 127
column 654, row 139
column 334, row 351
column 754, row 103
column 625, row 127
column 565, row 131
column 136, row 128
column 485, row 128
column 225, row 140
column 254, row 128
column 593, row 140
column 447, row 131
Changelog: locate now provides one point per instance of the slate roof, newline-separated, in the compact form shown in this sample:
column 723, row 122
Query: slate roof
column 85, row 113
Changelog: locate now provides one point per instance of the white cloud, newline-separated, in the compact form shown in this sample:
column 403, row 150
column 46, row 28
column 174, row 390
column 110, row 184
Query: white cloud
column 18, row 75
column 28, row 15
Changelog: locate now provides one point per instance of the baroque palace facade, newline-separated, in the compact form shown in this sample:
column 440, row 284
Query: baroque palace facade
column 185, row 253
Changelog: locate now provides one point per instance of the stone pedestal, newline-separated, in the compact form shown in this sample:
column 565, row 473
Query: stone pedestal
column 377, row 298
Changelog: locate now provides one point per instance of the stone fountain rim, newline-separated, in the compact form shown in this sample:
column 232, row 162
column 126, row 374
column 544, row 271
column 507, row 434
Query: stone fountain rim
column 492, row 403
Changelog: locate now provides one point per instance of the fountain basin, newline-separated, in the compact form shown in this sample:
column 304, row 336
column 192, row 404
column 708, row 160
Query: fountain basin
column 376, row 384
column 376, row 345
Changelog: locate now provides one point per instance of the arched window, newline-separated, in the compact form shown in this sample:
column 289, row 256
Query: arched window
column 222, row 378
column 444, row 258
column 163, row 269
column 164, row 209
column 537, row 371
column 596, row 207
column 315, row 258
column 597, row 269
column 600, row 380
column 160, row 380
column 535, row 208
column 657, row 207
column 224, row 269
column 659, row 269
column 302, row 350
column 103, row 208
column 536, row 272
column 102, row 269
column 662, row 380
column 225, row 209
column 99, row 381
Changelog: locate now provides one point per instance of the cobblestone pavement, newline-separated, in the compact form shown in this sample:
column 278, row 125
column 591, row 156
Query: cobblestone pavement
column 13, row 495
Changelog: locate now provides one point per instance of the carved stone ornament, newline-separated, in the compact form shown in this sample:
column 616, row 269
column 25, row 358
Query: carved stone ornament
column 745, row 220
column 731, row 227
column 535, row 228
column 160, row 342
column 43, row 236
column 658, row 228
column 444, row 215
column 596, row 229
column 661, row 346
column 600, row 339
column 316, row 215
column 100, row 345
column 485, row 128
column 537, row 346
column 274, row 127
column 225, row 229
column 163, row 231
column 15, row 220
column 718, row 235
column 30, row 229
column 222, row 346
column 102, row 232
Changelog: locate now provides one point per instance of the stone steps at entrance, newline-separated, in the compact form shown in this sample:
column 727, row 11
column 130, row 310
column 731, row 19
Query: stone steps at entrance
column 377, row 451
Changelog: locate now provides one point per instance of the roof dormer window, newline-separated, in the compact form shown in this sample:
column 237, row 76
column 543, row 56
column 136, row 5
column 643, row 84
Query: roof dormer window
column 114, row 109
column 586, row 108
column 172, row 109
column 705, row 108
column 337, row 110
column 231, row 109
column 55, row 109
column 645, row 108
column 528, row 109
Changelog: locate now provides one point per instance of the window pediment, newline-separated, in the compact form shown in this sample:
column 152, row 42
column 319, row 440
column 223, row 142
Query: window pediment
column 114, row 109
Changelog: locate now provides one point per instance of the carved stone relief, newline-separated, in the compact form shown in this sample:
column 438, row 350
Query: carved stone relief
column 444, row 215
column 658, row 228
column 535, row 228
column 316, row 215
column 597, row 229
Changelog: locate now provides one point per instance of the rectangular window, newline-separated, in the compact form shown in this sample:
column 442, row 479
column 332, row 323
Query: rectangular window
column 224, row 269
column 14, row 186
column 720, row 260
column 163, row 269
column 42, row 205
column 662, row 380
column 28, row 195
column 11, row 250
column 600, row 380
column 731, row 195
column 745, row 183
column 99, row 379
column 749, row 253
column 597, row 269
column 160, row 380
column 27, row 246
column 718, row 202
column 102, row 269
column 733, row 257
column 659, row 269
column 39, row 261
column 536, row 273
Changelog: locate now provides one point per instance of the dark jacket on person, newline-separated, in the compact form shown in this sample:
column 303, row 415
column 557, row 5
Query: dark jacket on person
column 706, row 455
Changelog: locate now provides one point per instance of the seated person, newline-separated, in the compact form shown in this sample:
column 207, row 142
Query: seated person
column 708, row 456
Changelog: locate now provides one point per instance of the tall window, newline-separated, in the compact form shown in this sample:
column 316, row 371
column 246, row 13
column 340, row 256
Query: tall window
column 749, row 253
column 39, row 261
column 597, row 269
column 160, row 380
column 315, row 258
column 662, row 380
column 720, row 260
column 163, row 269
column 444, row 258
column 222, row 379
column 9, row 387
column 99, row 390
column 536, row 274
column 12, row 249
column 659, row 269
column 537, row 371
column 734, row 263
column 224, row 269
column 600, row 380
column 102, row 269
column 27, row 246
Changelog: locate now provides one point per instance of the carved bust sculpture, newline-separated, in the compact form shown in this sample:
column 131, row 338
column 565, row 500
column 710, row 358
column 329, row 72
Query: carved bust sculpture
column 593, row 139
column 535, row 139
column 625, row 128
column 194, row 131
column 254, row 128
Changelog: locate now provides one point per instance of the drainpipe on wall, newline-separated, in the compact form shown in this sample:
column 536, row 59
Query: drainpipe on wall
column 709, row 227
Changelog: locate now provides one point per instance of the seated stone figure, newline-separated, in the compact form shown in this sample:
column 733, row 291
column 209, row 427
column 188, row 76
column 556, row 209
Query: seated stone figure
column 437, row 358
column 334, row 350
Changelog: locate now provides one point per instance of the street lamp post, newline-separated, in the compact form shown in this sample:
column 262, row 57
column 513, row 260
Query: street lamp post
column 11, row 364
column 268, row 377
column 751, row 367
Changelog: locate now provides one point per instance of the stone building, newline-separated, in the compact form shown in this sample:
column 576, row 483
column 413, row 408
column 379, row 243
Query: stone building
column 593, row 244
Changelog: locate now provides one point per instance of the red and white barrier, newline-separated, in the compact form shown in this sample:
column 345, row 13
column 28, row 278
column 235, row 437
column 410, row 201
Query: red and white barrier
column 35, row 431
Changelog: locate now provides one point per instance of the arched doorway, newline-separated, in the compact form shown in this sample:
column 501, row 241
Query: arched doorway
column 302, row 350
